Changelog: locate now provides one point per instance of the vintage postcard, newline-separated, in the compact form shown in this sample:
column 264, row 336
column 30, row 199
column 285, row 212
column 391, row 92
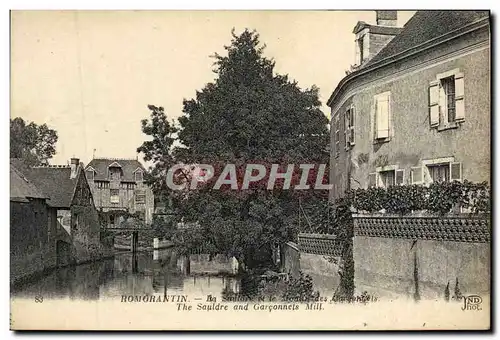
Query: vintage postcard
column 250, row 170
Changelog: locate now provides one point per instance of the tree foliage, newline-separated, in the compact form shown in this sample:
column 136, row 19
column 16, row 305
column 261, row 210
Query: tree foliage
column 248, row 114
column 33, row 143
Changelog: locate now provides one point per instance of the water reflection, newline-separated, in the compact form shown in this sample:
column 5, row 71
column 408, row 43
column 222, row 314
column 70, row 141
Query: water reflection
column 125, row 274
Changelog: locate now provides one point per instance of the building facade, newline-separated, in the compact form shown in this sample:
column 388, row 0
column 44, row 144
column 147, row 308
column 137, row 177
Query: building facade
column 77, row 237
column 416, row 110
column 118, row 185
column 32, row 228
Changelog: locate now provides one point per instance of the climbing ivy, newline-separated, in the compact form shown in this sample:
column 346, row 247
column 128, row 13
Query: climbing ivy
column 438, row 198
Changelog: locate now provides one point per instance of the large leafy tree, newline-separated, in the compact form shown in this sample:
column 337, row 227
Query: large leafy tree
column 249, row 114
column 33, row 143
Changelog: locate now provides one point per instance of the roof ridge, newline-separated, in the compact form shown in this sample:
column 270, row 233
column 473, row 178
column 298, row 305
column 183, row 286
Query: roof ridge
column 52, row 166
column 114, row 159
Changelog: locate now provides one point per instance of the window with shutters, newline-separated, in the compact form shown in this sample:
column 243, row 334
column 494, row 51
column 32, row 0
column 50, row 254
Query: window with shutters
column 382, row 117
column 437, row 170
column 349, row 127
column 386, row 176
column 446, row 100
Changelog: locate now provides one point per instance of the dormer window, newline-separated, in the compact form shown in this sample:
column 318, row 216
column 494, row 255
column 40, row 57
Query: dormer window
column 362, row 46
column 115, row 171
column 114, row 174
column 138, row 176
column 90, row 174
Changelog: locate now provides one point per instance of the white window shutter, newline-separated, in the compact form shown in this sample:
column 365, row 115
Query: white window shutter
column 417, row 175
column 459, row 97
column 383, row 117
column 372, row 180
column 456, row 171
column 400, row 177
column 434, row 103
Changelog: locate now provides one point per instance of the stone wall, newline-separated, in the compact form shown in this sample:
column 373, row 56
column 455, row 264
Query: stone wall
column 86, row 234
column 394, row 255
column 316, row 255
column 202, row 264
column 290, row 259
column 30, row 248
column 323, row 271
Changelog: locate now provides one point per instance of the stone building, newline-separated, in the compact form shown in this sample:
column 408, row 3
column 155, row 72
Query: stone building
column 78, row 236
column 118, row 185
column 32, row 227
column 415, row 108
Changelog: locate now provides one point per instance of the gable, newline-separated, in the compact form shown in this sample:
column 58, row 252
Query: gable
column 82, row 195
column 114, row 165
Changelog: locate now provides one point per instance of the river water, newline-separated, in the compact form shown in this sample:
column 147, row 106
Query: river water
column 126, row 275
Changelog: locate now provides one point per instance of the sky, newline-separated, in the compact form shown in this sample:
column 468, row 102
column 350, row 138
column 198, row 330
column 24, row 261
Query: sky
column 91, row 74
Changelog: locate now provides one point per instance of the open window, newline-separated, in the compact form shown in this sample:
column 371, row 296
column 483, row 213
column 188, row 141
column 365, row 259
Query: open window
column 349, row 127
column 336, row 124
column 446, row 100
column 437, row 170
column 387, row 176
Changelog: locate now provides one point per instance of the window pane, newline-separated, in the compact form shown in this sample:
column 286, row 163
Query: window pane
column 138, row 176
column 388, row 178
column 440, row 173
column 449, row 90
column 114, row 196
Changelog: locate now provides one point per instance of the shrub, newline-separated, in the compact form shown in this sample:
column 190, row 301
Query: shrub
column 300, row 289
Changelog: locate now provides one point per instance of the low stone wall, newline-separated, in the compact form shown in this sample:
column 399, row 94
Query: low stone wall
column 316, row 255
column 417, row 256
column 290, row 259
column 202, row 264
column 323, row 271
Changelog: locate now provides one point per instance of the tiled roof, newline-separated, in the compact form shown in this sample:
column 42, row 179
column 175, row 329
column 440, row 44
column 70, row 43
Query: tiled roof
column 21, row 188
column 128, row 166
column 425, row 26
column 53, row 181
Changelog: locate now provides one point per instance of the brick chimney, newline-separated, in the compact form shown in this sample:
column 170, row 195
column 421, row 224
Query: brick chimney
column 74, row 167
column 370, row 39
column 387, row 18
